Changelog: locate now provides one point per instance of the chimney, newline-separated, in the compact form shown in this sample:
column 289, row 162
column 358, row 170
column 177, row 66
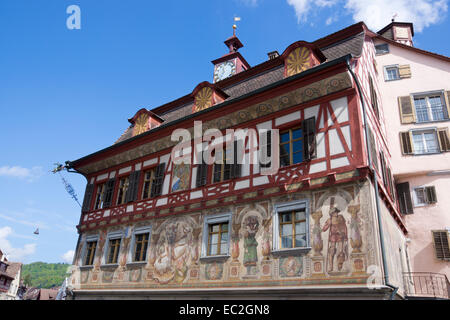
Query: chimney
column 401, row 32
column 273, row 54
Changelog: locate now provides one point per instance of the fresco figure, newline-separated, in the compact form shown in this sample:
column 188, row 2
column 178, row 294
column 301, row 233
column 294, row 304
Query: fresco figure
column 173, row 253
column 337, row 238
column 251, row 225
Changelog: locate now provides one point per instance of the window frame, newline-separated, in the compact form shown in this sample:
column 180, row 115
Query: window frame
column 416, row 198
column 123, row 190
column 422, row 132
column 427, row 96
column 211, row 220
column 290, row 142
column 112, row 236
column 100, row 205
column 231, row 167
column 151, row 181
column 386, row 74
column 92, row 238
column 377, row 52
column 131, row 249
column 280, row 208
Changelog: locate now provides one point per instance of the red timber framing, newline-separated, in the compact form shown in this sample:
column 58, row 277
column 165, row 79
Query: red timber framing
column 289, row 179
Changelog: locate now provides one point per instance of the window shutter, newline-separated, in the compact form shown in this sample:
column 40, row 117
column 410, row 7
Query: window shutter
column 109, row 193
column 309, row 138
column 268, row 147
column 406, row 109
column 373, row 97
column 431, row 194
column 391, row 183
column 373, row 150
column 441, row 244
column 158, row 180
column 236, row 167
column 444, row 141
column 447, row 102
column 202, row 172
column 404, row 71
column 133, row 186
column 405, row 142
column 404, row 198
column 87, row 197
column 383, row 169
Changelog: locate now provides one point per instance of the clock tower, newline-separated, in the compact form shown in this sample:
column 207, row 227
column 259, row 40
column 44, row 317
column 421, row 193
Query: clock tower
column 231, row 63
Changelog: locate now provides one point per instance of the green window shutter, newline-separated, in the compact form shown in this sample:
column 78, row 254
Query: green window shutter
column 406, row 106
column 404, row 198
column 406, row 143
column 87, row 197
column 404, row 71
column 158, row 180
column 309, row 138
column 109, row 192
column 133, row 186
column 431, row 194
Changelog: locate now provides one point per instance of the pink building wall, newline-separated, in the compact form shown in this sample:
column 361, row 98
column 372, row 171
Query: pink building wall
column 427, row 74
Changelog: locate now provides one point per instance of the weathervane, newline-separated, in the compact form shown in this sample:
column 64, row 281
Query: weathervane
column 234, row 25
column 59, row 167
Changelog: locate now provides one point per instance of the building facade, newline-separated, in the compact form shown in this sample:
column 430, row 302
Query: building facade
column 10, row 276
column 416, row 91
column 325, row 224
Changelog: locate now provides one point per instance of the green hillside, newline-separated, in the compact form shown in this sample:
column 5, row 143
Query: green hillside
column 44, row 275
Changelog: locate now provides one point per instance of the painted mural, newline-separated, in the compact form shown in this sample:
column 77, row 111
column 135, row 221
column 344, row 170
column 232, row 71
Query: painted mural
column 341, row 240
column 180, row 179
column 173, row 250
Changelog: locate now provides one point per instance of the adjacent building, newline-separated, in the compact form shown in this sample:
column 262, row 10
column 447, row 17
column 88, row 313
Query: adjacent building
column 10, row 273
column 416, row 95
column 321, row 219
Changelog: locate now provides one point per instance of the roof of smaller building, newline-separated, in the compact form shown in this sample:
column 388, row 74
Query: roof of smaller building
column 41, row 294
column 12, row 269
column 48, row 294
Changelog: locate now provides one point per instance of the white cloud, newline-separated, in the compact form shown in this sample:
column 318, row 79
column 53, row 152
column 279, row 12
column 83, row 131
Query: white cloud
column 304, row 7
column 331, row 19
column 25, row 222
column 378, row 13
column 68, row 256
column 301, row 7
column 14, row 254
column 22, row 173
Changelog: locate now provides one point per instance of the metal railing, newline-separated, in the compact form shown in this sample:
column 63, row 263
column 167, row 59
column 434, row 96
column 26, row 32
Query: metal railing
column 426, row 285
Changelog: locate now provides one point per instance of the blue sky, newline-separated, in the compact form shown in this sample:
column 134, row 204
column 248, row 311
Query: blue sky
column 67, row 93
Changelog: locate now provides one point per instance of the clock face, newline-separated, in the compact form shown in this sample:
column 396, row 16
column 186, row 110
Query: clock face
column 224, row 70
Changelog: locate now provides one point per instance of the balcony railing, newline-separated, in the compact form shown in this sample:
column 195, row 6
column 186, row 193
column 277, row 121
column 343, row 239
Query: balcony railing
column 426, row 285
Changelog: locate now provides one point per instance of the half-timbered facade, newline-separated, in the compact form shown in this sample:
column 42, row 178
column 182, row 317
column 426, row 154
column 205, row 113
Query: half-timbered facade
column 325, row 224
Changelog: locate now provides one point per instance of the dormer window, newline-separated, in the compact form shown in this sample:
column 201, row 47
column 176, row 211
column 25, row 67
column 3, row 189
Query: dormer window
column 144, row 120
column 301, row 56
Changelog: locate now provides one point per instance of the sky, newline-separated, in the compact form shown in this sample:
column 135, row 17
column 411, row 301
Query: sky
column 66, row 93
